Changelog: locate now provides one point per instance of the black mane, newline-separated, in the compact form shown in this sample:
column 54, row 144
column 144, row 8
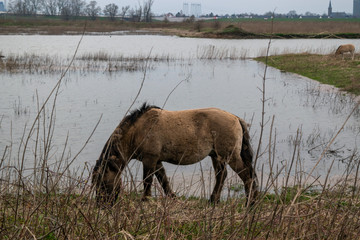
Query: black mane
column 108, row 148
column 137, row 113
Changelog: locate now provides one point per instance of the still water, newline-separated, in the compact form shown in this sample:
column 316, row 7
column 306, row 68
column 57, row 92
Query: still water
column 297, row 104
column 175, row 47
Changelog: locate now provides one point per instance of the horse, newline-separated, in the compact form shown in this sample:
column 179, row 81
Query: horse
column 153, row 135
column 345, row 48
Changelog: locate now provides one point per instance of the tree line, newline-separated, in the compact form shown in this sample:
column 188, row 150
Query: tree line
column 71, row 9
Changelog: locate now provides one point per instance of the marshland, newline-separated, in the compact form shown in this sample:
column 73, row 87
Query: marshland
column 62, row 96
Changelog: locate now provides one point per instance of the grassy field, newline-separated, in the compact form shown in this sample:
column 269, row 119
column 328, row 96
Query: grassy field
column 328, row 69
column 330, row 214
column 248, row 28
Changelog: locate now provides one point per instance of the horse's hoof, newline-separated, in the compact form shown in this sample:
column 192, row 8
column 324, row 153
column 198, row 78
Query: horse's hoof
column 172, row 195
column 214, row 201
column 145, row 198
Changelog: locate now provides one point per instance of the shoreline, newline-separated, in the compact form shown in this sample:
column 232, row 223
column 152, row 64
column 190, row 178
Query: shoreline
column 180, row 33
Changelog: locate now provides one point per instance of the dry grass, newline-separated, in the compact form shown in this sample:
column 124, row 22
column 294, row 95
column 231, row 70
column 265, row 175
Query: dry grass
column 56, row 26
column 91, row 62
column 302, row 27
column 61, row 206
column 105, row 62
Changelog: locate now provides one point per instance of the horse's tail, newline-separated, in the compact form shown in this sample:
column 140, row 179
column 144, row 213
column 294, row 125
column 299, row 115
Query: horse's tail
column 247, row 152
column 247, row 155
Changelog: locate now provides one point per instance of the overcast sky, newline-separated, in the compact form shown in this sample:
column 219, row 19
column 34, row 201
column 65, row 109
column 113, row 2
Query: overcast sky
column 242, row 6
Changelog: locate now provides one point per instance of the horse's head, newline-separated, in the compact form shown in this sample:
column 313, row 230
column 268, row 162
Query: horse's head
column 116, row 153
column 106, row 180
column 106, row 174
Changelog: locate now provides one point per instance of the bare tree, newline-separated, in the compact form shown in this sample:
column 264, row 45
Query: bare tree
column 21, row 7
column 92, row 10
column 71, row 8
column 111, row 10
column 292, row 13
column 77, row 7
column 136, row 13
column 50, row 7
column 124, row 10
column 142, row 12
column 60, row 5
column 147, row 10
column 65, row 9
column 15, row 7
column 35, row 6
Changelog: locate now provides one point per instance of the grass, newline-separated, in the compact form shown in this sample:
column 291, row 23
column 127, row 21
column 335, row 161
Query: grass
column 327, row 69
column 104, row 62
column 99, row 62
column 64, row 213
column 222, row 28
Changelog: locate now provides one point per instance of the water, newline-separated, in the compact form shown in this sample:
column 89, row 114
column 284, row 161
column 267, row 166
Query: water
column 85, row 97
column 175, row 47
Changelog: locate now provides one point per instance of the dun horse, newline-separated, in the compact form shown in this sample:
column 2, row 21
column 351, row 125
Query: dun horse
column 153, row 135
column 344, row 49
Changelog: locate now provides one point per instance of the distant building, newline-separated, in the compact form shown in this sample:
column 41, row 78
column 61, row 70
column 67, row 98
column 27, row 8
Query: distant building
column 2, row 7
column 192, row 9
column 185, row 10
column 195, row 9
column 332, row 14
column 330, row 9
column 356, row 8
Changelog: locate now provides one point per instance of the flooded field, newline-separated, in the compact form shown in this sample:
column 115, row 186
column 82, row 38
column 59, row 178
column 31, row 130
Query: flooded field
column 174, row 47
column 211, row 73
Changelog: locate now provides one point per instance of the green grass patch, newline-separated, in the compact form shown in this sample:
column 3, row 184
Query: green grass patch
column 327, row 69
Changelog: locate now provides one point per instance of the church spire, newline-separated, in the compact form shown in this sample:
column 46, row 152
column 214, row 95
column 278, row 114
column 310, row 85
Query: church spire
column 330, row 9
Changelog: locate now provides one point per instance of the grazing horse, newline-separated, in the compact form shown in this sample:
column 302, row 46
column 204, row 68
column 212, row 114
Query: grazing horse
column 153, row 135
column 346, row 48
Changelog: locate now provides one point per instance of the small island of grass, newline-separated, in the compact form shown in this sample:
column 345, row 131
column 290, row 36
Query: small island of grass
column 327, row 69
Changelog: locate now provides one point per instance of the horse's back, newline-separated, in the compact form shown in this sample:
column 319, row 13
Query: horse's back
column 350, row 47
column 200, row 122
column 189, row 135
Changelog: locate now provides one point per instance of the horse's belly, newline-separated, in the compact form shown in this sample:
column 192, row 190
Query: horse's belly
column 184, row 154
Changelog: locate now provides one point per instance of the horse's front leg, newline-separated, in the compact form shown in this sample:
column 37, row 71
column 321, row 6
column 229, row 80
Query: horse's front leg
column 162, row 178
column 148, row 173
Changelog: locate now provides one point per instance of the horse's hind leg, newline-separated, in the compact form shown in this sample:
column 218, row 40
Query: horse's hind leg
column 220, row 174
column 162, row 178
column 247, row 174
